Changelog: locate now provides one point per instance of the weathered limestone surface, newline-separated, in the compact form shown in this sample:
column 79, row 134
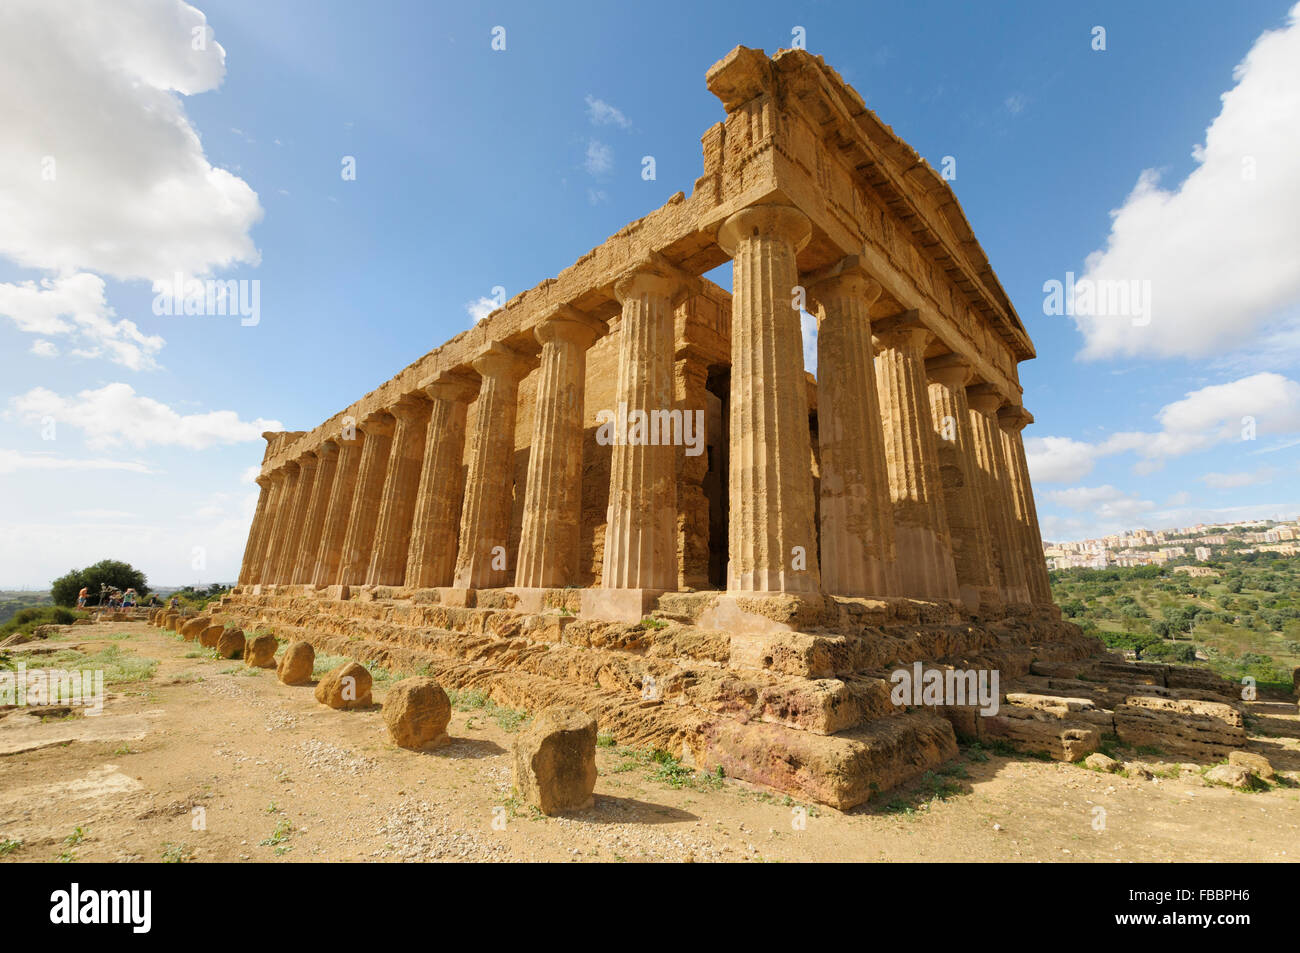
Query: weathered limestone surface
column 482, row 558
column 401, row 485
column 432, row 557
column 773, row 544
column 857, row 526
column 968, row 522
column 548, row 548
column 925, row 563
column 359, row 542
column 507, row 509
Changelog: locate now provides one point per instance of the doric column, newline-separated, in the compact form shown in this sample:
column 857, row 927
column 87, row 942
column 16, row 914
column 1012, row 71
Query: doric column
column 552, row 517
column 293, row 528
column 431, row 559
column 338, row 512
column 640, row 538
column 280, row 528
column 857, row 523
column 773, row 540
column 251, row 565
column 925, row 565
column 996, row 487
column 691, row 398
column 482, row 558
column 362, row 521
column 968, row 523
column 1012, row 420
column 275, row 499
column 401, row 485
column 309, row 545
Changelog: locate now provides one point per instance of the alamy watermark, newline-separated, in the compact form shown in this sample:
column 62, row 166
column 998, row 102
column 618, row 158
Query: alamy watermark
column 39, row 686
column 1099, row 298
column 936, row 687
column 653, row 428
column 209, row 296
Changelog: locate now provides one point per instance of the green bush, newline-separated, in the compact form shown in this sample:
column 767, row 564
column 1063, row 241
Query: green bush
column 110, row 572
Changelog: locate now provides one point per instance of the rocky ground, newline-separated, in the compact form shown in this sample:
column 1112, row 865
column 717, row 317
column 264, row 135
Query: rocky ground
column 204, row 759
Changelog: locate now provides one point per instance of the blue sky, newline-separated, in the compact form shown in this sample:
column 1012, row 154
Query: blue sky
column 133, row 435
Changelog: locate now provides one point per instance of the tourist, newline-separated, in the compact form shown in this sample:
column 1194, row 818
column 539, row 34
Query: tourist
column 81, row 597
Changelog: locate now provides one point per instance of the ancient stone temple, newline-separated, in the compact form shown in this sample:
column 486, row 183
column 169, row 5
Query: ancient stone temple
column 623, row 491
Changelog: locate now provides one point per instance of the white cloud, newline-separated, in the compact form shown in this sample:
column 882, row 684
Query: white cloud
column 1265, row 404
column 43, row 348
column 101, row 169
column 1232, row 481
column 116, row 415
column 599, row 159
column 11, row 461
column 1220, row 249
column 1106, row 503
column 602, row 113
column 480, row 308
column 74, row 305
column 1059, row 459
column 1016, row 103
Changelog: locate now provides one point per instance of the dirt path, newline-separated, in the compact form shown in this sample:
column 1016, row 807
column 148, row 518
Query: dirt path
column 270, row 775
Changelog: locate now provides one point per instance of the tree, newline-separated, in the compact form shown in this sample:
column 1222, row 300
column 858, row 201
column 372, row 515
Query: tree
column 109, row 572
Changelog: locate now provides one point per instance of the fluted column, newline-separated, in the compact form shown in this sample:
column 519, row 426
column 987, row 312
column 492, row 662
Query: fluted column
column 251, row 564
column 1012, row 421
column 338, row 512
column 857, row 524
column 293, row 528
column 275, row 499
column 280, row 528
column 431, row 560
column 925, row 564
column 691, row 397
column 364, row 518
column 773, row 540
column 968, row 523
column 552, row 517
column 995, row 486
column 326, row 464
column 482, row 556
column 401, row 485
column 640, row 540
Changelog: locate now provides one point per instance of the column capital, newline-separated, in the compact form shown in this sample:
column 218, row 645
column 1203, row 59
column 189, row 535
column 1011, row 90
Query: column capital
column 850, row 275
column 951, row 370
column 765, row 221
column 306, row 460
column 380, row 424
column 408, row 407
column 264, row 480
column 452, row 386
column 566, row 323
column 654, row 274
column 1013, row 418
column 984, row 398
column 904, row 330
column 328, row 448
column 497, row 360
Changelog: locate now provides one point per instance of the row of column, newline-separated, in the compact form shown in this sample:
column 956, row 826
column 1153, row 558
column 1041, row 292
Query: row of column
column 924, row 489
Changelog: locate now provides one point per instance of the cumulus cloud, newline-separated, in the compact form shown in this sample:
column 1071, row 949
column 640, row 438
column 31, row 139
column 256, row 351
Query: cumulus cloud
column 1106, row 503
column 1220, row 249
column 602, row 113
column 115, row 415
column 480, row 308
column 74, row 306
column 1264, row 404
column 101, row 169
column 11, row 461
